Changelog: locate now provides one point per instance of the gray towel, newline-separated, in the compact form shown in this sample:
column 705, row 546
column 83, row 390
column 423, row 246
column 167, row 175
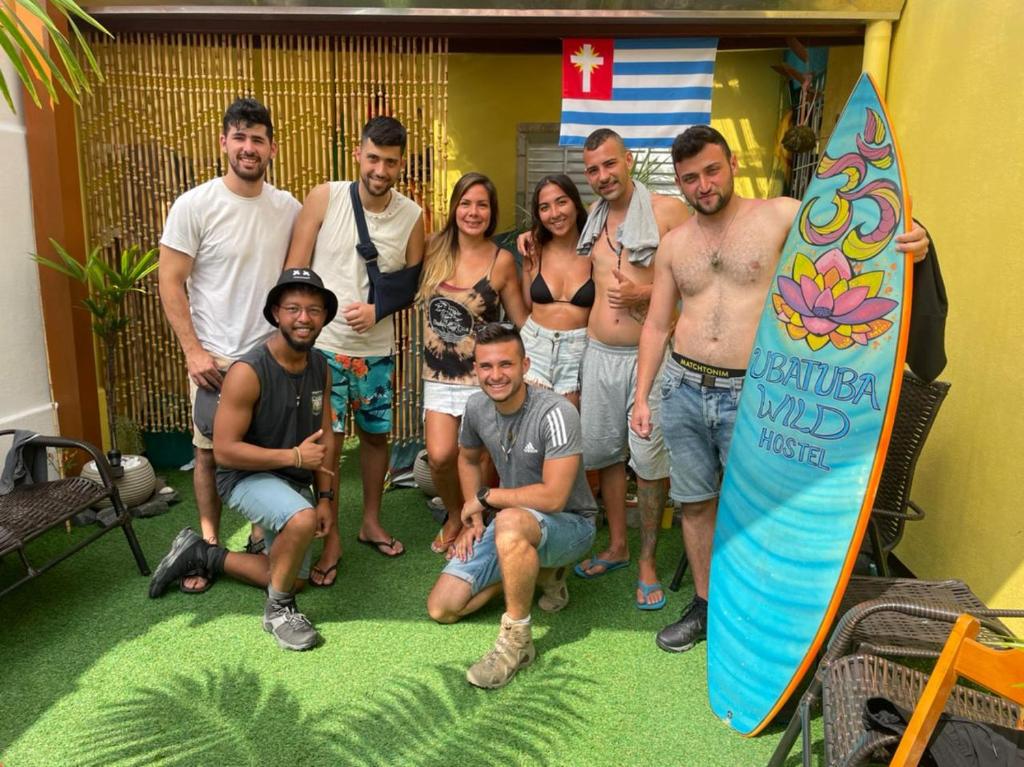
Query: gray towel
column 25, row 464
column 638, row 233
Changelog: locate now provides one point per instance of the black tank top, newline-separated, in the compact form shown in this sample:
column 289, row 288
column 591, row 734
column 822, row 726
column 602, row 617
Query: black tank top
column 290, row 408
column 540, row 293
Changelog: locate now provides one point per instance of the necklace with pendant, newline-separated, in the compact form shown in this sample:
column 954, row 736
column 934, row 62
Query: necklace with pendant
column 714, row 254
column 508, row 442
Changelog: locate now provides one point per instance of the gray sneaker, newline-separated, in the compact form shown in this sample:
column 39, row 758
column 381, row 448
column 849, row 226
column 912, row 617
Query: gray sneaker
column 290, row 628
column 513, row 650
column 554, row 592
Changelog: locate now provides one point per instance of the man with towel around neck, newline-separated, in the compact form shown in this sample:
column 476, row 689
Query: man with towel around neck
column 622, row 233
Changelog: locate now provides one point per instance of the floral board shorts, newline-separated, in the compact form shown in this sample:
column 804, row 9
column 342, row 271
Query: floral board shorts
column 365, row 384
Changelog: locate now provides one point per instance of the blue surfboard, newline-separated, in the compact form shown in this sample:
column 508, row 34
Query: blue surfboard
column 813, row 422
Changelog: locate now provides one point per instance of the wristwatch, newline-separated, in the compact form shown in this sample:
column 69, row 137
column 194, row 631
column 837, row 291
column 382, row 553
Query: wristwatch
column 328, row 494
column 481, row 495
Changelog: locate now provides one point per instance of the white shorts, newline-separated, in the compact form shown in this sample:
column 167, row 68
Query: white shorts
column 446, row 398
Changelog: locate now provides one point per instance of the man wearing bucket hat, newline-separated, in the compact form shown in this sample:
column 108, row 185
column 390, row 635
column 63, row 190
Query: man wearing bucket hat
column 272, row 435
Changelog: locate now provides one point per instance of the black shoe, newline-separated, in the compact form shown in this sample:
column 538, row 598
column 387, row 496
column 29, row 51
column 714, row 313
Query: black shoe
column 690, row 629
column 186, row 557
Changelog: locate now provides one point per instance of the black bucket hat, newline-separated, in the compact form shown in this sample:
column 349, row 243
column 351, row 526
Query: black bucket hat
column 292, row 277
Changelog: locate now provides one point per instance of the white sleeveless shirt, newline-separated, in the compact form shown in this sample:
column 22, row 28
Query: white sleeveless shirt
column 343, row 270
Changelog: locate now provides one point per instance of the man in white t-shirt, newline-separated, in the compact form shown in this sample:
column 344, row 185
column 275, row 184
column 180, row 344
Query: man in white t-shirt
column 359, row 344
column 222, row 250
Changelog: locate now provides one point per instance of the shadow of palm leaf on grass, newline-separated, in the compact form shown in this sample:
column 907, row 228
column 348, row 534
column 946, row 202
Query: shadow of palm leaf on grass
column 227, row 717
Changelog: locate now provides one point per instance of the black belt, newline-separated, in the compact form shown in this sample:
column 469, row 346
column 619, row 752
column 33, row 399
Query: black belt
column 708, row 373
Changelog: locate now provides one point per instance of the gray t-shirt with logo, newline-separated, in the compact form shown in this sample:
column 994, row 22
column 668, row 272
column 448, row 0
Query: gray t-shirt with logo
column 546, row 426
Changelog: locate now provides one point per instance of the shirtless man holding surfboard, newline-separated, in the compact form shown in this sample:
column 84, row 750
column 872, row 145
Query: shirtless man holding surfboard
column 720, row 263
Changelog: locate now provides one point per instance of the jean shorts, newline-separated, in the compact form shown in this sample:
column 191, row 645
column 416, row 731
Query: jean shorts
column 447, row 398
column 555, row 356
column 269, row 501
column 697, row 423
column 564, row 538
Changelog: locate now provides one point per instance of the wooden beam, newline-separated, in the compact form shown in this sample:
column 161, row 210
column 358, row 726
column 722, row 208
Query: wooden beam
column 57, row 213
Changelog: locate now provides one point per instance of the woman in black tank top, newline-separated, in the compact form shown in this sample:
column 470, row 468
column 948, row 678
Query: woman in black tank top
column 466, row 282
column 558, row 287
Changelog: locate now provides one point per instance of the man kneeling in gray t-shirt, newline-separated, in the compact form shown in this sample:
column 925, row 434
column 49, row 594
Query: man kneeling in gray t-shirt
column 544, row 508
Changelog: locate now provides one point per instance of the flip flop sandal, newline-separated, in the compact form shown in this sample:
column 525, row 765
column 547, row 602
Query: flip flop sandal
column 607, row 564
column 379, row 546
column 647, row 589
column 324, row 575
column 440, row 544
column 253, row 546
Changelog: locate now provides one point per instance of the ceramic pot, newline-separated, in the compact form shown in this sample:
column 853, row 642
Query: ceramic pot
column 135, row 486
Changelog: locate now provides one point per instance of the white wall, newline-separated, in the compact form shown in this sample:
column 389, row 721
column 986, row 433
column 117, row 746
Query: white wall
column 25, row 400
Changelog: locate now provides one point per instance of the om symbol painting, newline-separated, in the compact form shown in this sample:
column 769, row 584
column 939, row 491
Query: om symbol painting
column 831, row 299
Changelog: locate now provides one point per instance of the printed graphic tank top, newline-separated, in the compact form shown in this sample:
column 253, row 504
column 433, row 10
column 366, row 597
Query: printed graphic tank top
column 452, row 315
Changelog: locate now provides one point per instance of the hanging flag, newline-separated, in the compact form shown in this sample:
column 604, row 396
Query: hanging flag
column 648, row 91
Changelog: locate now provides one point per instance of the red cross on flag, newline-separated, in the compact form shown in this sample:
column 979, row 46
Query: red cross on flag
column 587, row 68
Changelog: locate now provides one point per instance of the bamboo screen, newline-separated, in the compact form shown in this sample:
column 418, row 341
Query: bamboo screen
column 149, row 132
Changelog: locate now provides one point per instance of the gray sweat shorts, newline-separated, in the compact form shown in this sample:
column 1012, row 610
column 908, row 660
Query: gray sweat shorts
column 607, row 391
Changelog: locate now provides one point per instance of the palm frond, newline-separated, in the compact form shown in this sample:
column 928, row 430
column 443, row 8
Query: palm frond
column 31, row 56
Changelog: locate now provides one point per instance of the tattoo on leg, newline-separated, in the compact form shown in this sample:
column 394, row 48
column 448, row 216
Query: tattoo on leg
column 649, row 501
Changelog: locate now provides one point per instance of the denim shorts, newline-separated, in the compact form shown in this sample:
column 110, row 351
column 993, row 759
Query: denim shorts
column 697, row 423
column 564, row 538
column 269, row 502
column 447, row 398
column 364, row 384
column 555, row 356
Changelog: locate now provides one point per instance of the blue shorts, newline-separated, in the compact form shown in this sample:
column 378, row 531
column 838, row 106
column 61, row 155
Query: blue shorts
column 269, row 501
column 364, row 384
column 697, row 423
column 555, row 356
column 564, row 538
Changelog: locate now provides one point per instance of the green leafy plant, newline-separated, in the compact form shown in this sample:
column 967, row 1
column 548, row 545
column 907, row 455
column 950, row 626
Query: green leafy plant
column 30, row 56
column 108, row 288
column 646, row 166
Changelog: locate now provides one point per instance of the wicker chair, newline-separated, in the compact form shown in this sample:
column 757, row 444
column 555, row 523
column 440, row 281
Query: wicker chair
column 851, row 681
column 919, row 404
column 28, row 511
column 911, row 620
column 998, row 670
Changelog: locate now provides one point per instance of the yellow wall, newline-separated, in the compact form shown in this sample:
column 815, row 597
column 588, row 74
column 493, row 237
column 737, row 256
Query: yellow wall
column 745, row 109
column 490, row 94
column 958, row 109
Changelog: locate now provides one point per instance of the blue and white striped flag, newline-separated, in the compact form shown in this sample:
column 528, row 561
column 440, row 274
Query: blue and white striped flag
column 648, row 91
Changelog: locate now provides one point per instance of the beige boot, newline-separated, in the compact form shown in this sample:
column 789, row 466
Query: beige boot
column 513, row 650
column 555, row 592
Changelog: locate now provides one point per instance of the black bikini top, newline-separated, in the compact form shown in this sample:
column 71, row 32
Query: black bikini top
column 540, row 293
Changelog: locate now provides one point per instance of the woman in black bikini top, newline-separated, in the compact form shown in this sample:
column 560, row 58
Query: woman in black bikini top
column 558, row 287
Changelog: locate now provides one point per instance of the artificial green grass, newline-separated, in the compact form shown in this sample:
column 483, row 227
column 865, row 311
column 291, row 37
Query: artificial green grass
column 96, row 673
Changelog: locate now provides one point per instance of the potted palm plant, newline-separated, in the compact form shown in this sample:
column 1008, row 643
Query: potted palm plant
column 108, row 286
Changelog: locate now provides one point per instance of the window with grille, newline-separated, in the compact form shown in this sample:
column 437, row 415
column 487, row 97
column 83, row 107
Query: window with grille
column 538, row 155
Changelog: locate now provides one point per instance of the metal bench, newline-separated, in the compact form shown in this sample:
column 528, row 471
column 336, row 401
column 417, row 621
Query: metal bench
column 30, row 510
